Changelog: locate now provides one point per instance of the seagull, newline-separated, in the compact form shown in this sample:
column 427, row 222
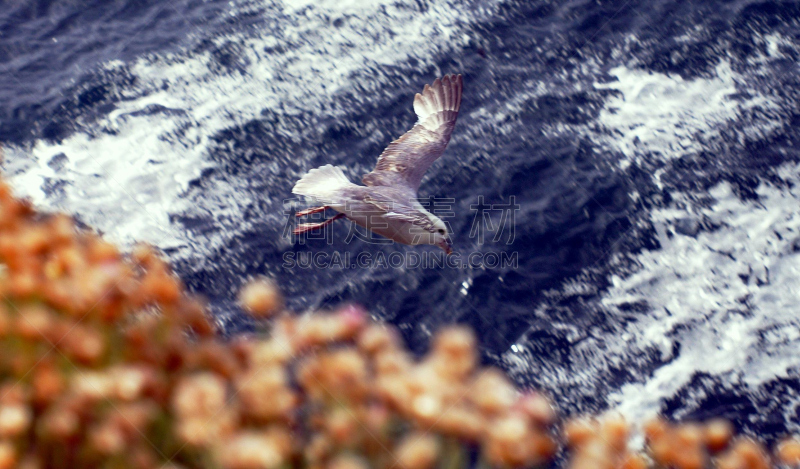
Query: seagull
column 387, row 202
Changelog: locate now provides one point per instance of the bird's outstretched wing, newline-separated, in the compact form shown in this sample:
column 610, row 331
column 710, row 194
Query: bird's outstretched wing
column 404, row 161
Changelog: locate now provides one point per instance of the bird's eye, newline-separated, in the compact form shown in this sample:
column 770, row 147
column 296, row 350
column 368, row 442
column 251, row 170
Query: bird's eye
column 441, row 231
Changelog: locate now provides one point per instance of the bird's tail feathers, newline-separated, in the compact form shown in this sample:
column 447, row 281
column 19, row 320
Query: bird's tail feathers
column 324, row 184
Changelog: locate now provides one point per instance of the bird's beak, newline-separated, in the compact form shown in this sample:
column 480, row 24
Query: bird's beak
column 447, row 245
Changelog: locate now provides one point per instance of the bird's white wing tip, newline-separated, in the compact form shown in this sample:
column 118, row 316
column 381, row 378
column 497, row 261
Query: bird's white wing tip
column 443, row 95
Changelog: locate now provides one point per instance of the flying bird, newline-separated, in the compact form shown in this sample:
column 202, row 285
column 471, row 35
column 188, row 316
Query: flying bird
column 387, row 202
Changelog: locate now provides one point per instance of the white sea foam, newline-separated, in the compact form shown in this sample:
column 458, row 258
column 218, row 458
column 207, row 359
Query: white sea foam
column 727, row 297
column 127, row 173
column 723, row 298
column 721, row 301
column 665, row 116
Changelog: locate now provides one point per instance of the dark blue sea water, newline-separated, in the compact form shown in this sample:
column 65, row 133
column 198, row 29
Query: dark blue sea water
column 650, row 148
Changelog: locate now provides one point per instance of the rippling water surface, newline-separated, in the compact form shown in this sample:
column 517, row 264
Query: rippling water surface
column 652, row 149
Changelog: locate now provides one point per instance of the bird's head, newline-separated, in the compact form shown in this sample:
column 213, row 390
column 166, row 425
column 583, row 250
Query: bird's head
column 441, row 237
column 430, row 229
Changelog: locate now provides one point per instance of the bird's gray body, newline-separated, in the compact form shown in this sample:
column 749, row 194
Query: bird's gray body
column 387, row 203
column 390, row 212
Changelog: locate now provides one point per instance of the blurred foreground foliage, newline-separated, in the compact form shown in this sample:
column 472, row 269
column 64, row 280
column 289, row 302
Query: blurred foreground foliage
column 107, row 362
